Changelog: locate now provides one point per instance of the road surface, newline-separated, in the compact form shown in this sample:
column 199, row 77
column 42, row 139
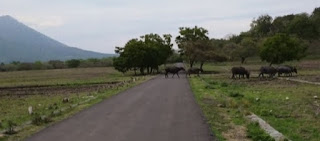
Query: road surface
column 158, row 110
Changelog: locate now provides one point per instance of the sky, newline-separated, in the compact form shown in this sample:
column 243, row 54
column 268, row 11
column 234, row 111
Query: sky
column 100, row 25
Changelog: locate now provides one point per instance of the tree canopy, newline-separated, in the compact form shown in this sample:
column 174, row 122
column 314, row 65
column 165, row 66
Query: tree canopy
column 282, row 47
column 146, row 53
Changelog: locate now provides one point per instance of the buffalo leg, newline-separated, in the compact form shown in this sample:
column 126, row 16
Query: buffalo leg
column 178, row 75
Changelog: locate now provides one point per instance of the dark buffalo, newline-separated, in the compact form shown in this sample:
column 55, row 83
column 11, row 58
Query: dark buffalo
column 194, row 71
column 287, row 70
column 271, row 71
column 293, row 69
column 241, row 71
column 173, row 70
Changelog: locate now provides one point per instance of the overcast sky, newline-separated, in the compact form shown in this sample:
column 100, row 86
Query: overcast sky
column 100, row 25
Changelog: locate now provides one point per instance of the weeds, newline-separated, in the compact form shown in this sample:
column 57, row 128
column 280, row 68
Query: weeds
column 256, row 133
column 10, row 127
column 38, row 120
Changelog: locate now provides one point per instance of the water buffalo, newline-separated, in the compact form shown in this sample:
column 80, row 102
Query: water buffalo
column 194, row 71
column 173, row 70
column 271, row 71
column 293, row 69
column 241, row 71
column 287, row 70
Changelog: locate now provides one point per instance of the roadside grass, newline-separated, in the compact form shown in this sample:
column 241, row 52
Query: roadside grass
column 289, row 107
column 15, row 108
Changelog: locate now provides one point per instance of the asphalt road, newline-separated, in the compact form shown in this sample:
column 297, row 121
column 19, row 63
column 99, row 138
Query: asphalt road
column 158, row 110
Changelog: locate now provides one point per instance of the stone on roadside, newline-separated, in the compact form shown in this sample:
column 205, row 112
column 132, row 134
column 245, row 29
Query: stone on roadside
column 316, row 97
column 65, row 100
column 221, row 105
column 30, row 110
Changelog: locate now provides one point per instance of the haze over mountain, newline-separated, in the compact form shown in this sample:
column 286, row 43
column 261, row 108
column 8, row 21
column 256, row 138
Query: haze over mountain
column 19, row 42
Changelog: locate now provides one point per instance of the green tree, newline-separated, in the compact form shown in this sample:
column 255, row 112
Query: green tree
column 282, row 47
column 146, row 53
column 247, row 48
column 302, row 26
column 120, row 64
column 315, row 19
column 189, row 39
column 262, row 26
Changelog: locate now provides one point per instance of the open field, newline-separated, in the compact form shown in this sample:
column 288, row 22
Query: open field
column 59, row 77
column 44, row 91
column 292, row 108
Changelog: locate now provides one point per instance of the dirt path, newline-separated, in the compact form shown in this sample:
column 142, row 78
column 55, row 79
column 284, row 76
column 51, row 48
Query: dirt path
column 158, row 110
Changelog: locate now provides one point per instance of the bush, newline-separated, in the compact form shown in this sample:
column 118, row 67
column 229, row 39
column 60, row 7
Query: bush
column 57, row 64
column 73, row 63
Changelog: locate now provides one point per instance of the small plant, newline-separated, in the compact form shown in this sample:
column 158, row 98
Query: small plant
column 224, row 84
column 236, row 94
column 209, row 87
column 10, row 130
column 1, row 126
column 36, row 119
column 213, row 82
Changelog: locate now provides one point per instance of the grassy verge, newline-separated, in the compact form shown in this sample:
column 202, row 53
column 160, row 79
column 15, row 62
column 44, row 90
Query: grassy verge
column 287, row 106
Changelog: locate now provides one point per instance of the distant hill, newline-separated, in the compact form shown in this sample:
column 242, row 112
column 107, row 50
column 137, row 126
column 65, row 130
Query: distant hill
column 19, row 42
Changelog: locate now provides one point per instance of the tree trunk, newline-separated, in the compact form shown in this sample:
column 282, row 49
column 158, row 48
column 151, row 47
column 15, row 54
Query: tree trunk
column 142, row 71
column 270, row 64
column 242, row 60
column 201, row 65
column 135, row 71
column 191, row 64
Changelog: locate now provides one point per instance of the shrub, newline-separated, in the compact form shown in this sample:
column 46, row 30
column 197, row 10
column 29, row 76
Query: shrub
column 236, row 94
column 73, row 63
column 10, row 127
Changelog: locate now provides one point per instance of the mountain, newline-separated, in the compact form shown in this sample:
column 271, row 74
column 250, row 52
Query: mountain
column 19, row 42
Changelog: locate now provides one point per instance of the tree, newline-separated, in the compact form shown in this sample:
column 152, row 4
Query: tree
column 315, row 19
column 146, row 53
column 119, row 64
column 262, row 26
column 302, row 26
column 229, row 48
column 188, row 41
column 282, row 47
column 247, row 48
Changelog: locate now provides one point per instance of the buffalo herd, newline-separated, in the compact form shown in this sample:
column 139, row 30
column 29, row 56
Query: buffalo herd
column 240, row 72
column 264, row 70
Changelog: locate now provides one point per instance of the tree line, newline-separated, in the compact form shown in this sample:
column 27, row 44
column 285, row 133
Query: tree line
column 284, row 38
column 57, row 64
